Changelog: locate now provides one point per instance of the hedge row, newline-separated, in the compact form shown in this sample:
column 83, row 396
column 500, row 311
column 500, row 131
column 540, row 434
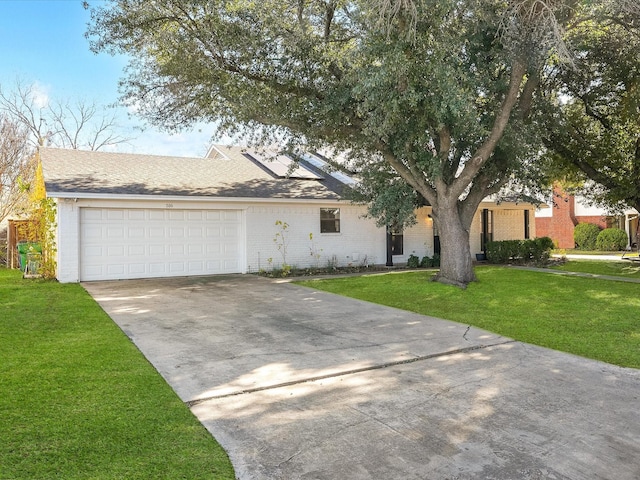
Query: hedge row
column 519, row 251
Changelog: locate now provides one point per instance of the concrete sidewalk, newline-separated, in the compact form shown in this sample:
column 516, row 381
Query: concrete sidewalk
column 300, row 384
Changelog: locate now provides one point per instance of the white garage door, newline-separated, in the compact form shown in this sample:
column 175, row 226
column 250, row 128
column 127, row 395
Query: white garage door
column 142, row 243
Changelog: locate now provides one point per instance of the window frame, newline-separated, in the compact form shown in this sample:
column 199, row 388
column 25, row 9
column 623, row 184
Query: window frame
column 330, row 220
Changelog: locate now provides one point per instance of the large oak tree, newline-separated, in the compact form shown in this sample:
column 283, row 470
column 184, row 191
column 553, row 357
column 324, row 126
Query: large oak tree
column 434, row 94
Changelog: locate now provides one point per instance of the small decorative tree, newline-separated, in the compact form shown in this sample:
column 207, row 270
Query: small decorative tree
column 282, row 243
column 43, row 214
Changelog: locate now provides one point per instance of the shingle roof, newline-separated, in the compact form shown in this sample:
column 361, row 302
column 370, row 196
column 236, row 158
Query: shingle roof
column 87, row 172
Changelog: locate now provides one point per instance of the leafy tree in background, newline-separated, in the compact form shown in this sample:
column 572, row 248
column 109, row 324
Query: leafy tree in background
column 432, row 98
column 592, row 122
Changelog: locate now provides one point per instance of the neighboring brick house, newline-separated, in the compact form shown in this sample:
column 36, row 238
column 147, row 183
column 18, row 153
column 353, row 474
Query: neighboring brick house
column 559, row 221
column 136, row 216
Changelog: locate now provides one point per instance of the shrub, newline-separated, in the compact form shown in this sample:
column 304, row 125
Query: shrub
column 436, row 260
column 585, row 235
column 519, row 251
column 504, row 251
column 539, row 249
column 426, row 262
column 413, row 261
column 612, row 240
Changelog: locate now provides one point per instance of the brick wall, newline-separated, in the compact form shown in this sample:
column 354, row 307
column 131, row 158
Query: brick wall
column 561, row 224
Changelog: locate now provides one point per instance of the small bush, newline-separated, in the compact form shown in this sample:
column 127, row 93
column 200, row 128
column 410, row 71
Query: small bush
column 539, row 249
column 519, row 251
column 612, row 240
column 504, row 251
column 413, row 261
column 585, row 235
column 426, row 262
column 436, row 260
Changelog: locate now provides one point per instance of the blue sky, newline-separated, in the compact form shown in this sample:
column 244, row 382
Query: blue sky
column 42, row 42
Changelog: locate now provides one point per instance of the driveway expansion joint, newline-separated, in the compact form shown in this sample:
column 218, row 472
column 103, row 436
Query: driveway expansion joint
column 192, row 403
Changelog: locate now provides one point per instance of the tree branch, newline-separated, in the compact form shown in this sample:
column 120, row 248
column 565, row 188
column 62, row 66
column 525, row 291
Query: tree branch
column 473, row 166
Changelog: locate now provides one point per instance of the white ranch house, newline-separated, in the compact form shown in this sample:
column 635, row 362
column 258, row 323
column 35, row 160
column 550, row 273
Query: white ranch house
column 127, row 216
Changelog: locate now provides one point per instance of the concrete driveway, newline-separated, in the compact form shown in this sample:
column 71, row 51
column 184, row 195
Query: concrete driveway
column 300, row 384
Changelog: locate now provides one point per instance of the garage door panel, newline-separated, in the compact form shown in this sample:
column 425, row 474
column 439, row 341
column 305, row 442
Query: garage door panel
column 158, row 268
column 155, row 214
column 139, row 243
column 137, row 268
column 135, row 214
column 113, row 214
column 116, row 250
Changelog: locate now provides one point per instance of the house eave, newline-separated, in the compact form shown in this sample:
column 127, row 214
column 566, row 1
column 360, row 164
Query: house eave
column 183, row 198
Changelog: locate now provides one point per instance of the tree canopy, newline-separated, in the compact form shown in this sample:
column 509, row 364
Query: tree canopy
column 436, row 99
column 593, row 122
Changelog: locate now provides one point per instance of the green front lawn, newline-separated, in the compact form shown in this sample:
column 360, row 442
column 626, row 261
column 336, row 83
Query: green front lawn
column 593, row 318
column 623, row 268
column 78, row 400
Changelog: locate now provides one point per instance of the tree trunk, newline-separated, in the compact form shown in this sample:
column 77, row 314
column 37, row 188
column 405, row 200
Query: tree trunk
column 456, row 267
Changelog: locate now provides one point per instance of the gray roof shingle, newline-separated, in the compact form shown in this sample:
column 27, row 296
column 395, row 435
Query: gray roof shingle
column 88, row 172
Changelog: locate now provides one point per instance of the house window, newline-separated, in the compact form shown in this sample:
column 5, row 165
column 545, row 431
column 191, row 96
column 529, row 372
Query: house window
column 329, row 220
column 487, row 229
column 527, row 233
column 397, row 243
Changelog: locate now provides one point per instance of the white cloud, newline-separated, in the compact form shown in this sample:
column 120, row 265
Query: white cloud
column 39, row 94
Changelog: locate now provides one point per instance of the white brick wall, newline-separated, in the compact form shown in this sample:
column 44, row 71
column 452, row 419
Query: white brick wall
column 418, row 240
column 508, row 224
column 359, row 240
column 68, row 238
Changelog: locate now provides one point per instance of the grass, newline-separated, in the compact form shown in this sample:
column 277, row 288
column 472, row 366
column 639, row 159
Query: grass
column 592, row 318
column 78, row 400
column 624, row 268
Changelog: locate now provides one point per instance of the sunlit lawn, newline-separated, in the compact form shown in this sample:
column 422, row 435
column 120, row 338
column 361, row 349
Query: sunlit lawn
column 593, row 318
column 79, row 401
column 624, row 268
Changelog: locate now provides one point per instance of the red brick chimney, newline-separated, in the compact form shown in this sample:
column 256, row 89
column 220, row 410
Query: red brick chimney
column 562, row 222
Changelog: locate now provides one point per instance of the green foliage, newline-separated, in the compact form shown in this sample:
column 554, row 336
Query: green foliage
column 42, row 228
column 80, row 401
column 413, row 261
column 519, row 251
column 504, row 251
column 612, row 240
column 592, row 129
column 585, row 235
column 426, row 262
